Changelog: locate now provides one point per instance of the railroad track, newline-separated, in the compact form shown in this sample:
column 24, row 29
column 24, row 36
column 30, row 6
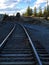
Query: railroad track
column 4, row 30
column 20, row 50
column 42, row 53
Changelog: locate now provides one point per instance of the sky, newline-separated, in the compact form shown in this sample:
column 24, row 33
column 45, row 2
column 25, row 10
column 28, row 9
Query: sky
column 11, row 7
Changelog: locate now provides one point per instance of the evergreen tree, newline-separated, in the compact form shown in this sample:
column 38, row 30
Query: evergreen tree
column 45, row 13
column 40, row 12
column 48, row 10
column 29, row 11
column 35, row 11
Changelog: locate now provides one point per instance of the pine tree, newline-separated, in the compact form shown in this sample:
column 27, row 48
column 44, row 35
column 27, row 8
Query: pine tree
column 45, row 13
column 29, row 11
column 35, row 11
column 40, row 12
column 48, row 10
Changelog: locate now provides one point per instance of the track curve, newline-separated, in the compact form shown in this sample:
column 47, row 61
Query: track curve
column 19, row 49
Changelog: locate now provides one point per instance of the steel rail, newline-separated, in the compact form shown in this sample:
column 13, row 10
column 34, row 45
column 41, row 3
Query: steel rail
column 7, row 36
column 33, row 47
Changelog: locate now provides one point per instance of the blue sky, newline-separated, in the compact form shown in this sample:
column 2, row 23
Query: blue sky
column 13, row 6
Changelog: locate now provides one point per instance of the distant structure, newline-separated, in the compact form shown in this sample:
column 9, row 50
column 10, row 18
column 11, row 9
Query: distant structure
column 18, row 15
column 1, row 17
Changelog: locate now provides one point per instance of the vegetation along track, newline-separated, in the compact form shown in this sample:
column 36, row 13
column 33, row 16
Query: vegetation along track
column 20, row 50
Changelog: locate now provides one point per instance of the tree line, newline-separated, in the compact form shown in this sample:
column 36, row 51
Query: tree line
column 40, row 13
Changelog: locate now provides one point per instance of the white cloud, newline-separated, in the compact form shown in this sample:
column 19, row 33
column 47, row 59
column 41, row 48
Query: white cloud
column 40, row 1
column 27, row 0
column 8, row 3
column 2, row 1
column 11, row 5
column 46, row 3
column 37, row 3
column 2, row 5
